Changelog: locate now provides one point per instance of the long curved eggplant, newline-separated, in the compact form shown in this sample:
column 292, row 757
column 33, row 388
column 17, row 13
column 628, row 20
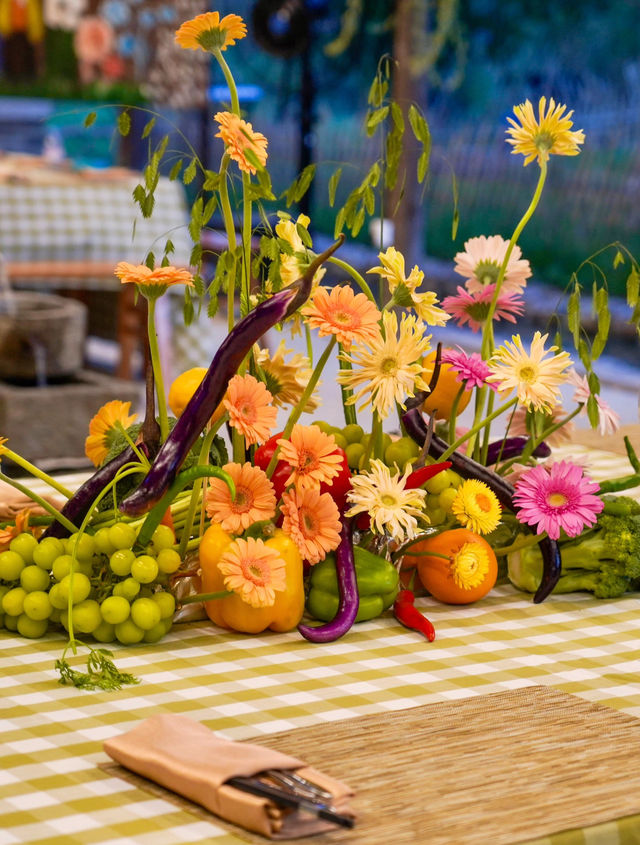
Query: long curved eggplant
column 213, row 386
column 349, row 598
column 81, row 502
column 511, row 447
column 416, row 428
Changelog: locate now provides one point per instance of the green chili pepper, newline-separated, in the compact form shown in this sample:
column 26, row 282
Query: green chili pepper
column 377, row 586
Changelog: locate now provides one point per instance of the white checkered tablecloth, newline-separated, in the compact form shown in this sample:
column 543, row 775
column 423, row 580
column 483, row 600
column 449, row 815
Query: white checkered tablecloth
column 91, row 220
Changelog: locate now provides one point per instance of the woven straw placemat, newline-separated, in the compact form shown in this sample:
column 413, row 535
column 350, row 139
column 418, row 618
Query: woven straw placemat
column 501, row 768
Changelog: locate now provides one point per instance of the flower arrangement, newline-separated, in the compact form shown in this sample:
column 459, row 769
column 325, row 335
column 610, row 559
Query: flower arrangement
column 346, row 522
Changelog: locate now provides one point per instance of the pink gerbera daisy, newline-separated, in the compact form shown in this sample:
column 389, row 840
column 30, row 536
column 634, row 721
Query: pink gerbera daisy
column 471, row 369
column 561, row 499
column 482, row 259
column 473, row 308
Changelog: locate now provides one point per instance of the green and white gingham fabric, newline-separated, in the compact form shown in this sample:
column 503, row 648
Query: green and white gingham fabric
column 91, row 220
column 52, row 789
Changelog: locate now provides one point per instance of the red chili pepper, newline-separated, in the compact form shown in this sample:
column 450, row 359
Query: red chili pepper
column 422, row 475
column 408, row 614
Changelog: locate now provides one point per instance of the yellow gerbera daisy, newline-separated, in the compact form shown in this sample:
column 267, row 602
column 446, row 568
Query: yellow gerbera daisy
column 393, row 509
column 392, row 268
column 286, row 379
column 239, row 139
column 535, row 377
column 548, row 134
column 476, row 507
column 103, row 428
column 210, row 32
column 391, row 369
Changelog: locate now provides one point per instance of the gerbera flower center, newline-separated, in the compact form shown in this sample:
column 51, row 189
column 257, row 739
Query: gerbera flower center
column 486, row 272
column 307, row 461
column 243, row 500
column 557, row 500
column 308, row 522
column 256, row 571
column 343, row 318
column 527, row 373
column 388, row 500
column 389, row 366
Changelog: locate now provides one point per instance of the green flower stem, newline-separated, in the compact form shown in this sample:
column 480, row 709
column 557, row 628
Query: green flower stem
column 230, row 230
column 478, row 427
column 487, row 432
column 157, row 368
column 487, row 339
column 522, row 543
column 223, row 594
column 364, row 287
column 233, row 91
column 55, row 513
column 454, row 412
column 27, row 466
column 299, row 408
column 196, row 490
column 308, row 341
column 349, row 408
column 247, row 226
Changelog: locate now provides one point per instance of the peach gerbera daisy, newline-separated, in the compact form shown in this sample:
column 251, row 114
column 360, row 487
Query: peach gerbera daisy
column 351, row 317
column 103, row 428
column 255, row 499
column 240, row 139
column 152, row 283
column 312, row 520
column 482, row 259
column 549, row 134
column 250, row 408
column 211, row 32
column 286, row 377
column 254, row 571
column 312, row 456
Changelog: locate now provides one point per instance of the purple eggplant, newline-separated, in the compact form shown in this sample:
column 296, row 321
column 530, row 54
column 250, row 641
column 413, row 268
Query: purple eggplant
column 416, row 428
column 213, row 386
column 83, row 499
column 513, row 447
column 348, row 589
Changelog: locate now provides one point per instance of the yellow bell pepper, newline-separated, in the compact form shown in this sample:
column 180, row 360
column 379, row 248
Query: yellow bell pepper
column 234, row 613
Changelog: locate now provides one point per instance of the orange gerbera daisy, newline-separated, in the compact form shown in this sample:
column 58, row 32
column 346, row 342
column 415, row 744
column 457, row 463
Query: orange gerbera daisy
column 351, row 317
column 104, row 427
column 254, row 501
column 253, row 570
column 152, row 283
column 250, row 408
column 312, row 456
column 240, row 139
column 210, row 32
column 312, row 520
column 20, row 525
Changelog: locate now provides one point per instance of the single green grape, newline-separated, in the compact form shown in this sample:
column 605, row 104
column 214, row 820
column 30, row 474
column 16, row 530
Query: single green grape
column 37, row 605
column 128, row 589
column 445, row 499
column 128, row 633
column 47, row 550
column 398, row 454
column 326, row 427
column 162, row 538
column 61, row 566
column 145, row 613
column 120, row 562
column 31, row 628
column 115, row 609
column 24, row 544
column 103, row 542
column 166, row 602
column 56, row 598
column 54, row 616
column 79, row 588
column 10, row 622
column 454, row 479
column 355, row 453
column 4, row 589
column 168, row 561
column 353, row 433
column 104, row 633
column 122, row 535
column 13, row 601
column 34, row 578
column 82, row 545
column 153, row 635
column 11, row 565
column 144, row 569
column 86, row 616
column 339, row 437
column 437, row 516
column 438, row 483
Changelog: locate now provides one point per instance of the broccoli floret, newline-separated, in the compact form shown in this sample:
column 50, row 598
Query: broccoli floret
column 604, row 560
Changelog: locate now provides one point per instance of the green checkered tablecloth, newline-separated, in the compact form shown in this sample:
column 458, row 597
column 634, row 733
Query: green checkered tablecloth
column 90, row 220
column 53, row 790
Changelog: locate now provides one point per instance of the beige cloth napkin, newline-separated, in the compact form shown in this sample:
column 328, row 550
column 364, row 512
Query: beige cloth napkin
column 187, row 758
column 12, row 501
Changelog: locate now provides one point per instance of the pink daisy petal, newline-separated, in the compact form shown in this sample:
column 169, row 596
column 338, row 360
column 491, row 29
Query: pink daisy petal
column 473, row 308
column 471, row 369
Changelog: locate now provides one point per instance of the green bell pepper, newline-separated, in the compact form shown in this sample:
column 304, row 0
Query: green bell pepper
column 377, row 586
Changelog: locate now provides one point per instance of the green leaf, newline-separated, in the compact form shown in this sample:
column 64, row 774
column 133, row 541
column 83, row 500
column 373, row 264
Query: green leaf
column 149, row 126
column 377, row 91
column 358, row 222
column 169, row 248
column 303, row 234
column 175, row 170
column 592, row 411
column 124, row 123
column 583, row 353
column 190, row 173
column 340, row 220
column 393, row 148
column 212, row 307
column 633, row 287
column 375, row 118
column 594, row 382
column 211, row 180
column 334, row 179
column 139, row 194
column 300, row 186
column 188, row 312
column 573, row 315
column 618, row 259
column 456, row 212
column 90, row 119
column 419, row 125
column 195, row 223
column 423, row 166
column 196, row 254
column 150, row 260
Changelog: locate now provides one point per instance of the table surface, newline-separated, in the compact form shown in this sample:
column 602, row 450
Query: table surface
column 54, row 790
